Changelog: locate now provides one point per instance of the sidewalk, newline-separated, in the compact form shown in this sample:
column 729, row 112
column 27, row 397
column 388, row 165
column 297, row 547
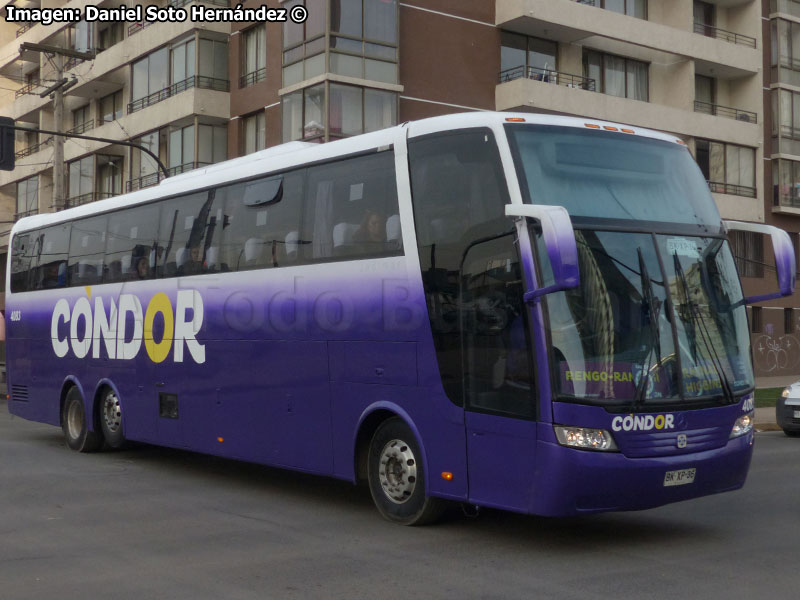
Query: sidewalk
column 765, row 419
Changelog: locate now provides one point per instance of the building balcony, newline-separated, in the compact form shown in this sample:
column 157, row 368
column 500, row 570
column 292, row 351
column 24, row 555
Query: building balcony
column 152, row 179
column 252, row 78
column 727, row 36
column 525, row 94
column 731, row 189
column 725, row 111
column 197, row 81
column 574, row 23
column 25, row 213
column 547, row 76
column 82, row 127
column 19, row 154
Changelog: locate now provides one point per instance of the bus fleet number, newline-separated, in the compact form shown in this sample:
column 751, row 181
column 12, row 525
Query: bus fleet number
column 16, row 315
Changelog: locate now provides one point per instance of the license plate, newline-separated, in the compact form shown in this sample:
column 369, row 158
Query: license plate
column 797, row 414
column 680, row 477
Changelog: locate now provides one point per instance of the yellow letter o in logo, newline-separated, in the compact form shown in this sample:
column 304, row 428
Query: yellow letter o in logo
column 159, row 304
column 660, row 422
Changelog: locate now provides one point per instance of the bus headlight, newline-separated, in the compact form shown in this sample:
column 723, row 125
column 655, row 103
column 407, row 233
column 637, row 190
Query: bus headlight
column 785, row 393
column 585, row 438
column 744, row 424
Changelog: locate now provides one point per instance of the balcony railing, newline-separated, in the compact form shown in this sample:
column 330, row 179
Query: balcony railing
column 198, row 81
column 82, row 127
column 252, row 78
column 734, row 190
column 725, row 111
column 27, row 88
column 186, row 167
column 547, row 76
column 138, row 26
column 792, row 133
column 73, row 62
column 26, row 213
column 143, row 182
column 33, row 149
column 82, row 199
column 727, row 36
column 785, row 195
column 24, row 28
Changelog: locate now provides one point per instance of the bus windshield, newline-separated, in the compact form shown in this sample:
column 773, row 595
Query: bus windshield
column 612, row 175
column 658, row 318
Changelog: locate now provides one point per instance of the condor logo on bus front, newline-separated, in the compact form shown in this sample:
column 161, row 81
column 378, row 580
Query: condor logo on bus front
column 107, row 326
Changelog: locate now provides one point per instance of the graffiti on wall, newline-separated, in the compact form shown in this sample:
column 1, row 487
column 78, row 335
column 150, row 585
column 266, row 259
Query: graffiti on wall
column 776, row 354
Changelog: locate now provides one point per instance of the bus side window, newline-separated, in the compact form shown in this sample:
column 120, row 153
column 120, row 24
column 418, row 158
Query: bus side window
column 185, row 234
column 261, row 221
column 87, row 249
column 52, row 266
column 351, row 209
column 130, row 253
column 20, row 262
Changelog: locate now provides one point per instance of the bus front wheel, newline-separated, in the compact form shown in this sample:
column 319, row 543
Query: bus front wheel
column 397, row 478
column 74, row 426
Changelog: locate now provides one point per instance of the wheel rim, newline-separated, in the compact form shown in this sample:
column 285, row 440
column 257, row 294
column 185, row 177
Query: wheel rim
column 75, row 420
column 397, row 471
column 112, row 413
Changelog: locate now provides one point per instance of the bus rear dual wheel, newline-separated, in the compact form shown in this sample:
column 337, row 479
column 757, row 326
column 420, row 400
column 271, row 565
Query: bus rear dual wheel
column 397, row 477
column 76, row 432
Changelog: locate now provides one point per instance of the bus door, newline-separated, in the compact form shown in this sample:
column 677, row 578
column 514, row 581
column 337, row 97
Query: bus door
column 473, row 284
column 500, row 407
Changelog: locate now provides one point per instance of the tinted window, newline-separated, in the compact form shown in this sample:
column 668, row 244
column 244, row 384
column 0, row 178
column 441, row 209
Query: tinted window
column 351, row 209
column 459, row 195
column 49, row 265
column 86, row 251
column 262, row 218
column 21, row 253
column 186, row 234
column 132, row 234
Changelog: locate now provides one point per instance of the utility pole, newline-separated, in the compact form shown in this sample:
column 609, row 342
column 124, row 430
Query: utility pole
column 59, row 168
column 59, row 174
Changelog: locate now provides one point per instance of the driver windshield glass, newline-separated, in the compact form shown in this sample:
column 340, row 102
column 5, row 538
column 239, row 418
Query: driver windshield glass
column 611, row 175
column 612, row 337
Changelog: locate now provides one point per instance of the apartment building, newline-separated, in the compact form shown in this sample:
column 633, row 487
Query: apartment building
column 694, row 69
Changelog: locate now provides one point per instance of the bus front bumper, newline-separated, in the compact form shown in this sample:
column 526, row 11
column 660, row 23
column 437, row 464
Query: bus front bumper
column 574, row 482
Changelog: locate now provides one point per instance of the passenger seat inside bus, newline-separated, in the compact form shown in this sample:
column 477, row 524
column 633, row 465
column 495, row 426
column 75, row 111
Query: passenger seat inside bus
column 393, row 233
column 343, row 238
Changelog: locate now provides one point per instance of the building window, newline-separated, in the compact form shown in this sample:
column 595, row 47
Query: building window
column 304, row 43
column 254, row 56
column 27, row 197
column 786, row 182
column 109, row 176
column 81, row 181
column 363, row 40
column 352, row 110
column 748, row 252
column 705, row 89
column 212, row 144
column 633, row 8
column 788, row 321
column 755, row 319
column 182, row 57
column 729, row 169
column 213, row 64
column 144, row 170
column 785, row 49
column 254, row 133
column 523, row 56
column 80, row 120
column 109, row 34
column 181, row 150
column 150, row 75
column 616, row 75
column 111, row 107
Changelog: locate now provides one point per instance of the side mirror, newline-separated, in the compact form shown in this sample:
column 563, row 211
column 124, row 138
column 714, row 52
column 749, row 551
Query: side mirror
column 785, row 263
column 559, row 239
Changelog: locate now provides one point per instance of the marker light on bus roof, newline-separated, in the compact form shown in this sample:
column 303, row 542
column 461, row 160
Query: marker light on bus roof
column 627, row 131
column 515, row 119
column 609, row 128
column 592, row 126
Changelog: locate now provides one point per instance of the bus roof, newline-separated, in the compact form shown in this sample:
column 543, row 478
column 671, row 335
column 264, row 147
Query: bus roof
column 295, row 154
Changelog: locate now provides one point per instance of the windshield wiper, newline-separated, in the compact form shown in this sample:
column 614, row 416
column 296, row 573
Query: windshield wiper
column 699, row 324
column 653, row 311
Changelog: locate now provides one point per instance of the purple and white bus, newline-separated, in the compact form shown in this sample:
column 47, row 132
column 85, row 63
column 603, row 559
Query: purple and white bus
column 535, row 313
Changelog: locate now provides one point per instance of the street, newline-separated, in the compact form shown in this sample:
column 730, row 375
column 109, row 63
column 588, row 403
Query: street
column 157, row 523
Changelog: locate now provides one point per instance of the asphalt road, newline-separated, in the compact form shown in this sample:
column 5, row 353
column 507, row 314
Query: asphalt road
column 156, row 523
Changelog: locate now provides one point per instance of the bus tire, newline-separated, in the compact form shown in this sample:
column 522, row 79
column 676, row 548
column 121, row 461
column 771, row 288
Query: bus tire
column 397, row 477
column 73, row 424
column 110, row 418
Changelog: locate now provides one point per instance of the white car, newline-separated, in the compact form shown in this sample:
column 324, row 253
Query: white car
column 787, row 410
